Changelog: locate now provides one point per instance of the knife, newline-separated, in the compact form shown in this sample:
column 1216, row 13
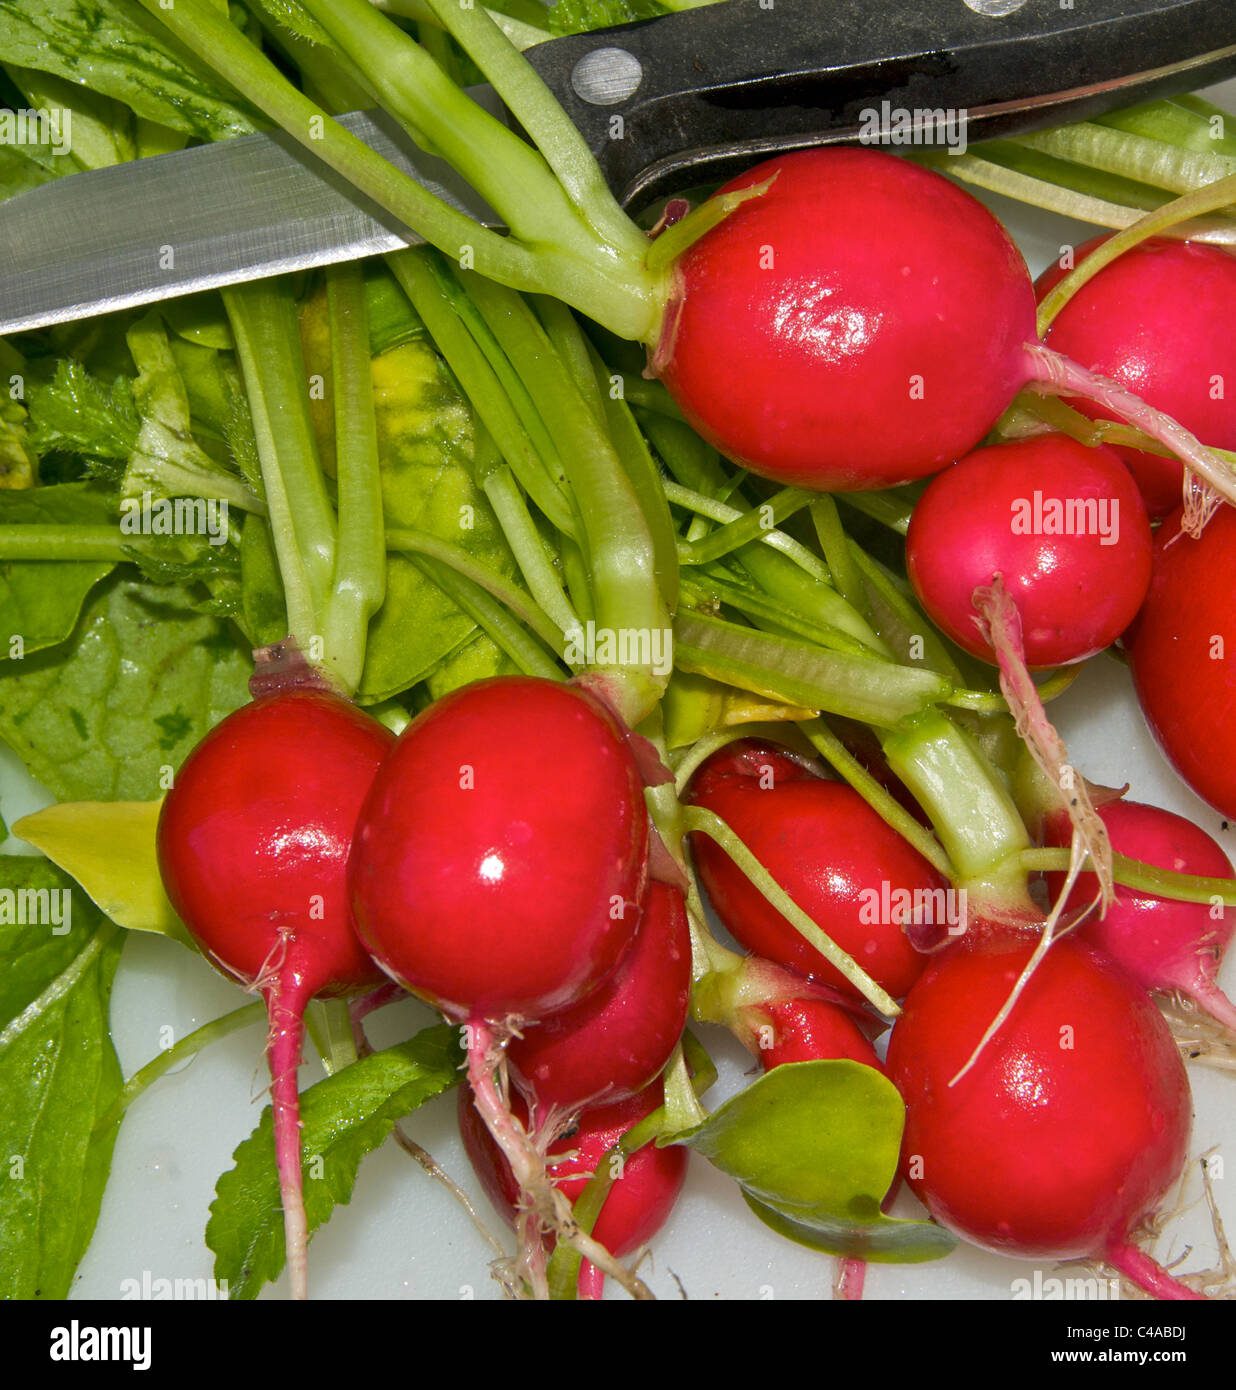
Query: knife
column 664, row 104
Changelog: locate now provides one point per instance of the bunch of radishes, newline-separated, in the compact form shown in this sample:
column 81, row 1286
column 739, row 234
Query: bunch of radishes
column 497, row 860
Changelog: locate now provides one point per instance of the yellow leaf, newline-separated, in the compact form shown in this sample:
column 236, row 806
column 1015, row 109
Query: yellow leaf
column 109, row 848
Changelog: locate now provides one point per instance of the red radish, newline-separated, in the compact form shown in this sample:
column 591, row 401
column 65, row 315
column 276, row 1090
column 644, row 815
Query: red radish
column 1071, row 1125
column 804, row 1030
column 872, row 316
column 844, row 866
column 616, row 1041
column 1182, row 653
column 501, row 857
column 1035, row 553
column 1064, row 526
column 497, row 871
column 253, row 842
column 1158, row 321
column 863, row 322
column 1163, row 943
column 645, row 1187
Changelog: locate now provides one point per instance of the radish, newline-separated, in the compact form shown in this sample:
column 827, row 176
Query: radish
column 501, row 856
column 253, row 842
column 1069, row 1128
column 497, row 871
column 1157, row 320
column 1032, row 554
column 804, row 1030
column 876, row 321
column 646, row 1185
column 616, row 1041
column 847, row 869
column 1163, row 943
column 1062, row 525
column 1182, row 653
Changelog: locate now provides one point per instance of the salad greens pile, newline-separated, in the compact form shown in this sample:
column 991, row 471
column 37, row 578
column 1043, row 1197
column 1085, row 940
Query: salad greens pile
column 161, row 471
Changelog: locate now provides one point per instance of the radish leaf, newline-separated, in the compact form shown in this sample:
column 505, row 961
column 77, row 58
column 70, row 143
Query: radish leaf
column 40, row 600
column 113, row 48
column 814, row 1146
column 110, row 714
column 109, row 848
column 343, row 1118
column 58, row 1075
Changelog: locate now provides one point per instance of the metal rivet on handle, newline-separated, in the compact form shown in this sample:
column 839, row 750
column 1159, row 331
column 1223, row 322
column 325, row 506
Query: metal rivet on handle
column 606, row 76
column 994, row 8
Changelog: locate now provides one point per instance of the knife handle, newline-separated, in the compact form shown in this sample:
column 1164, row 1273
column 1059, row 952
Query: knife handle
column 698, row 95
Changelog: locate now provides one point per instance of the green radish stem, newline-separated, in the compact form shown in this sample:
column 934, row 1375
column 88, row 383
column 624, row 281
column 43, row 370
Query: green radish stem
column 747, row 526
column 358, row 581
column 188, row 1046
column 264, row 325
column 1202, row 200
column 705, row 592
column 722, row 513
column 695, row 818
column 218, row 42
column 554, row 248
column 889, row 809
column 489, row 615
column 1146, row 878
column 508, row 594
column 799, row 673
column 972, row 811
column 489, row 381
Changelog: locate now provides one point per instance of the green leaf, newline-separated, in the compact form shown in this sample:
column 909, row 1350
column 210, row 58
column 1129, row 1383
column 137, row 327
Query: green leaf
column 40, row 600
column 814, row 1146
column 58, row 1075
column 109, row 848
column 20, row 171
column 113, row 47
column 343, row 1118
column 80, row 414
column 477, row 660
column 887, row 1240
column 143, row 678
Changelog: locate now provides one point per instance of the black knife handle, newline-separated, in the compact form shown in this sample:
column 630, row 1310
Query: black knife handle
column 705, row 92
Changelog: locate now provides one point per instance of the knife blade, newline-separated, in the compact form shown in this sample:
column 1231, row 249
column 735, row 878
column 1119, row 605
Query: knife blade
column 685, row 99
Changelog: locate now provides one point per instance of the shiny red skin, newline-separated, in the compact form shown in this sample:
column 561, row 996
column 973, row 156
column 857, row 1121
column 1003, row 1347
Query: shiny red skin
column 253, row 839
column 1182, row 654
column 1075, row 594
column 639, row 1203
column 617, row 1040
column 501, row 856
column 1157, row 320
column 1158, row 941
column 825, row 846
column 806, row 1030
column 1056, row 1144
column 883, row 273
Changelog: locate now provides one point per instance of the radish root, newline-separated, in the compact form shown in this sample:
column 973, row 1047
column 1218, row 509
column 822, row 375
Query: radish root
column 1053, row 374
column 545, row 1204
column 286, row 1010
column 1000, row 624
